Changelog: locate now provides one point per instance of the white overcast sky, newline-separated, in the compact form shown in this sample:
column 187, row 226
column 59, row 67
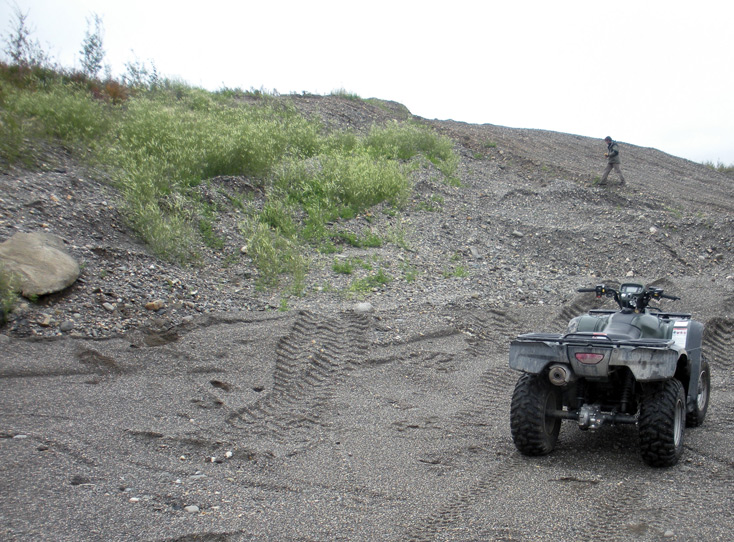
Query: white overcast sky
column 647, row 72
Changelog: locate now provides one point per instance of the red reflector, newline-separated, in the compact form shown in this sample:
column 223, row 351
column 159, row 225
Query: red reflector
column 585, row 357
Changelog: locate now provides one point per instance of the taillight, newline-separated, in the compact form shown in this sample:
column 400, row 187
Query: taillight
column 589, row 358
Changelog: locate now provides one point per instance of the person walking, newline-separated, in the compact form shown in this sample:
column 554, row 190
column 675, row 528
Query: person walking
column 613, row 161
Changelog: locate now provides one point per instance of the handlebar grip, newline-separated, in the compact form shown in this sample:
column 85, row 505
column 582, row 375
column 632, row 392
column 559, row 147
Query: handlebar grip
column 665, row 296
column 591, row 290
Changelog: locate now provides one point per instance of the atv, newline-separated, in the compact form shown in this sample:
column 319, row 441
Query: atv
column 636, row 365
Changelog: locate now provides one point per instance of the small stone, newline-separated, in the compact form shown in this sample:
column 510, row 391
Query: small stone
column 156, row 305
column 191, row 509
column 66, row 326
column 668, row 534
column 45, row 321
column 109, row 306
column 363, row 307
column 134, row 499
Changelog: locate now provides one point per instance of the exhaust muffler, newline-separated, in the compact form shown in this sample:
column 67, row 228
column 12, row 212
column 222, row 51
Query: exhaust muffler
column 560, row 375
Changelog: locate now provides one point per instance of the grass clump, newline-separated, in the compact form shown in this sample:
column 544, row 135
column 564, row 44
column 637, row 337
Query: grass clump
column 8, row 293
column 457, row 272
column 404, row 141
column 57, row 111
column 275, row 255
column 343, row 267
column 370, row 283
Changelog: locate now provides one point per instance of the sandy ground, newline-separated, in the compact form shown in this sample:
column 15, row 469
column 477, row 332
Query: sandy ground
column 346, row 426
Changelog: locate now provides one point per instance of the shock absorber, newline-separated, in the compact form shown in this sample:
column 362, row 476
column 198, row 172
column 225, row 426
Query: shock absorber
column 627, row 391
column 581, row 393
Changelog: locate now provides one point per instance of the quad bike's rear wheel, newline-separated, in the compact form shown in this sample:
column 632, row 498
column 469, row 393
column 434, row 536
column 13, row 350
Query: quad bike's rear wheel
column 696, row 416
column 661, row 423
column 534, row 431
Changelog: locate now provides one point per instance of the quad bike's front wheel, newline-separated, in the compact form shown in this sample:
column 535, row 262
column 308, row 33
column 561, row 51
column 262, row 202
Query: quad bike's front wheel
column 696, row 416
column 661, row 422
column 534, row 430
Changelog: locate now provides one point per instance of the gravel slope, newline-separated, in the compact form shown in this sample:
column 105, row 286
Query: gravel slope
column 221, row 418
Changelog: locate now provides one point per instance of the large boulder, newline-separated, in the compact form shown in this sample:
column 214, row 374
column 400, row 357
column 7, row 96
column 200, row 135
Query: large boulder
column 40, row 263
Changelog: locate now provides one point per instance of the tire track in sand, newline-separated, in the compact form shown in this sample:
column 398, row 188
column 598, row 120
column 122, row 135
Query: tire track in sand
column 718, row 342
column 449, row 518
column 310, row 360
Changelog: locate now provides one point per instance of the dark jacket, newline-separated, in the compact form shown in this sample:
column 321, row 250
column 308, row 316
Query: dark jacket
column 613, row 153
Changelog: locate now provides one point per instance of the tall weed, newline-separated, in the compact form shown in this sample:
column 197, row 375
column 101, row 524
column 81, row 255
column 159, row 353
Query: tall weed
column 274, row 255
column 62, row 111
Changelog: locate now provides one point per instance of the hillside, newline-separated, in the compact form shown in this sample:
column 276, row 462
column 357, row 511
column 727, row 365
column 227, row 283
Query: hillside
column 526, row 226
column 165, row 402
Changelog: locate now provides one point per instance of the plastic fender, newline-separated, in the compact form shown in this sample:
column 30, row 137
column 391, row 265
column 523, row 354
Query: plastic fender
column 694, row 339
column 533, row 356
column 648, row 364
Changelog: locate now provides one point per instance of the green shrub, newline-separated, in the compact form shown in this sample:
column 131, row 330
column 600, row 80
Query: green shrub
column 273, row 254
column 720, row 167
column 406, row 140
column 345, row 267
column 13, row 133
column 370, row 282
column 336, row 186
column 167, row 138
column 211, row 239
column 458, row 272
column 367, row 240
column 63, row 111
column 8, row 295
column 168, row 232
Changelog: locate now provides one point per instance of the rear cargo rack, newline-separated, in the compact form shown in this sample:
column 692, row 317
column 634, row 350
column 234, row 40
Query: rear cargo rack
column 588, row 338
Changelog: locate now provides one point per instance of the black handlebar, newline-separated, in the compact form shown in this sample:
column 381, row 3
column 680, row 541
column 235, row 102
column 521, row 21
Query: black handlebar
column 627, row 299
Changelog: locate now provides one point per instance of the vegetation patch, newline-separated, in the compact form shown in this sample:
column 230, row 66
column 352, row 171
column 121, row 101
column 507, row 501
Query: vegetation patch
column 8, row 293
column 159, row 140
